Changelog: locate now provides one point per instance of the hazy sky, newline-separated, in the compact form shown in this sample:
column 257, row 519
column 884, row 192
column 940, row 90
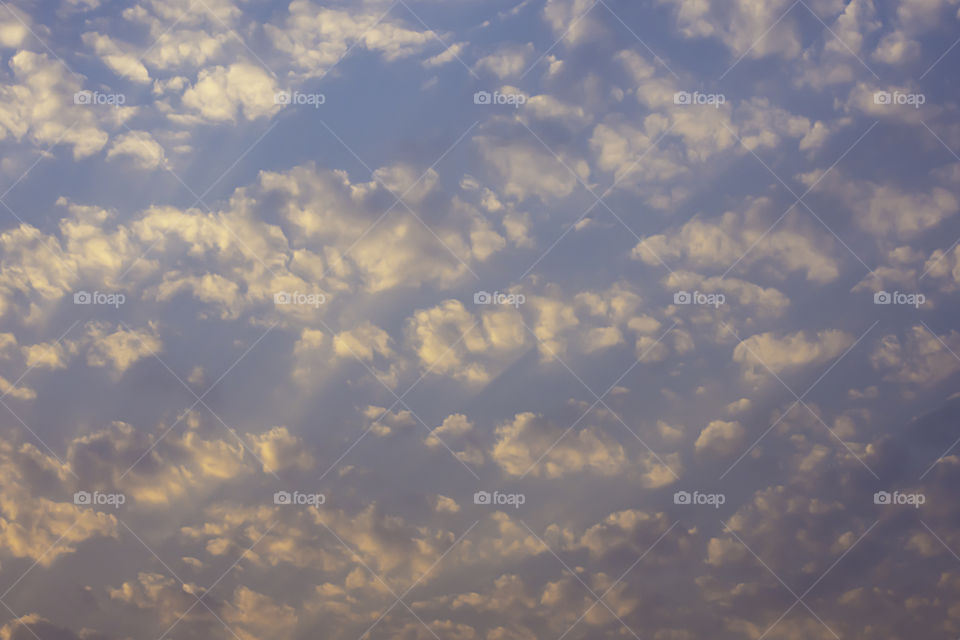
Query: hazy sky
column 479, row 319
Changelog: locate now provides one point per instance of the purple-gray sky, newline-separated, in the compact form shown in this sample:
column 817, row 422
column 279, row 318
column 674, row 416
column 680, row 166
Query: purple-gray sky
column 479, row 320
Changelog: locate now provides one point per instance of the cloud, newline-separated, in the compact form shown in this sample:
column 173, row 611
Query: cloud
column 40, row 106
column 445, row 339
column 315, row 38
column 920, row 358
column 768, row 351
column 120, row 62
column 524, row 169
column 279, row 450
column 224, row 94
column 743, row 26
column 140, row 147
column 33, row 625
column 506, row 62
column 732, row 238
column 720, row 437
column 121, row 348
column 525, row 445
column 38, row 519
column 14, row 28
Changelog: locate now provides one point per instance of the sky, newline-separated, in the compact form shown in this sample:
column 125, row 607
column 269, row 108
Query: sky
column 479, row 319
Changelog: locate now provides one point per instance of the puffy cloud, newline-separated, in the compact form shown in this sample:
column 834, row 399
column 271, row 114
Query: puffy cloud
column 508, row 61
column 444, row 504
column 573, row 20
column 457, row 432
column 279, row 449
column 20, row 391
column 765, row 301
column 315, row 37
column 383, row 422
column 524, row 168
column 450, row 54
column 14, row 28
column 720, row 437
column 158, row 594
column 733, row 237
column 222, row 94
column 121, row 348
column 154, row 472
column 446, row 337
column 41, row 106
column 523, row 441
column 33, row 625
column 258, row 615
column 140, row 147
column 120, row 62
column 38, row 519
column 751, row 28
column 896, row 48
column 886, row 210
column 920, row 358
column 363, row 342
column 767, row 351
column 45, row 356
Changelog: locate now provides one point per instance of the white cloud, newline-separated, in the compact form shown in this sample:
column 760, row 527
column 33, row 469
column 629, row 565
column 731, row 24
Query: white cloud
column 919, row 358
column 746, row 27
column 123, row 63
column 764, row 352
column 521, row 442
column 739, row 236
column 315, row 37
column 720, row 437
column 527, row 169
column 121, row 348
column 140, row 147
column 508, row 61
column 41, row 106
column 223, row 94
